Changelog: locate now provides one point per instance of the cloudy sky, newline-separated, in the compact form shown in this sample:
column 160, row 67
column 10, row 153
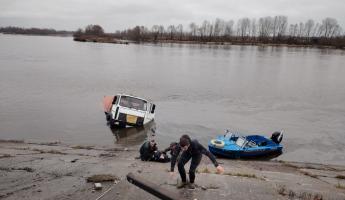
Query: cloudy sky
column 120, row 14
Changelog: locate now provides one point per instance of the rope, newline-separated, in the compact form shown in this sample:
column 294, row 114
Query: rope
column 111, row 187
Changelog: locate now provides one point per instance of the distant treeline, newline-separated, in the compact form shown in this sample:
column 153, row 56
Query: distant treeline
column 265, row 30
column 90, row 30
column 33, row 31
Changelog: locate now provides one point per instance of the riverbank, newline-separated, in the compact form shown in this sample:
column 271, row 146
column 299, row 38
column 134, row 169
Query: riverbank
column 58, row 171
column 113, row 40
column 100, row 39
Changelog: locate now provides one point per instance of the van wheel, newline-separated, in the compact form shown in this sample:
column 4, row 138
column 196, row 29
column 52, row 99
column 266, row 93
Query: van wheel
column 111, row 123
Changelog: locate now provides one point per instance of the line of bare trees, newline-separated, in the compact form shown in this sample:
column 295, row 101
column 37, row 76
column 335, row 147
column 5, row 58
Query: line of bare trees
column 90, row 29
column 33, row 31
column 275, row 30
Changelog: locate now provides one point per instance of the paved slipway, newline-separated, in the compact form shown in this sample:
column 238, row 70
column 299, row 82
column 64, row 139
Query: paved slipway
column 58, row 171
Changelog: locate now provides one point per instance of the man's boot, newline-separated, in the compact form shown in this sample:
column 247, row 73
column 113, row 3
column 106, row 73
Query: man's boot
column 191, row 186
column 181, row 185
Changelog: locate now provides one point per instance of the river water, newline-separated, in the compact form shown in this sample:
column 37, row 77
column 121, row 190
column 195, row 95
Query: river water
column 51, row 89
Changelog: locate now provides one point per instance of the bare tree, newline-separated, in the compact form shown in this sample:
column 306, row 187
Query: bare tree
column 253, row 28
column 155, row 32
column 94, row 30
column 329, row 27
column 210, row 29
column 243, row 26
column 308, row 28
column 293, row 30
column 161, row 30
column 218, row 27
column 171, row 30
column 79, row 32
column 300, row 31
column 193, row 29
column 204, row 29
column 265, row 27
column 135, row 33
column 282, row 23
column 317, row 31
column 179, row 30
column 229, row 28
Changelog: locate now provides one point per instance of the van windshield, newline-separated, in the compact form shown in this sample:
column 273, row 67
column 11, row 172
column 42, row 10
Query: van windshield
column 131, row 102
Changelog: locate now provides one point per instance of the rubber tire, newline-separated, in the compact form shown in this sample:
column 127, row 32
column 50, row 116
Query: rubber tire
column 217, row 143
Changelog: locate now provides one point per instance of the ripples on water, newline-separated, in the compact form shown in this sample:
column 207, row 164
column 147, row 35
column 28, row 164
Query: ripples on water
column 51, row 89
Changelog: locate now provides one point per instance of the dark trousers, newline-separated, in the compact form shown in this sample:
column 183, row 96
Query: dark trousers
column 185, row 157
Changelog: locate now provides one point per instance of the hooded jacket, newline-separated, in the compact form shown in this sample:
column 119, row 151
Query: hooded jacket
column 195, row 149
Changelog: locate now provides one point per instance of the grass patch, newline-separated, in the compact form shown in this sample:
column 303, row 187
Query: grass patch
column 244, row 175
column 207, row 171
column 52, row 151
column 28, row 169
column 282, row 190
column 9, row 169
column 5, row 156
column 48, row 143
column 55, row 152
column 309, row 174
column 102, row 178
column 204, row 170
column 5, row 169
column 83, row 147
column 290, row 165
column 60, row 173
column 209, row 187
column 340, row 177
column 12, row 141
column 340, row 186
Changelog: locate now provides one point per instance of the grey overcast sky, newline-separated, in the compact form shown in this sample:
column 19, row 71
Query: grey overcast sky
column 120, row 14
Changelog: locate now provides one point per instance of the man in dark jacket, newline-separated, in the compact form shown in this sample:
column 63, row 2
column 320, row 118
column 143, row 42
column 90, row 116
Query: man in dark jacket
column 174, row 149
column 147, row 150
column 191, row 149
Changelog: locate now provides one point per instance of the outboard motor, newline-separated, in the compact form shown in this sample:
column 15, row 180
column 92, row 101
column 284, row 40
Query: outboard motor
column 277, row 137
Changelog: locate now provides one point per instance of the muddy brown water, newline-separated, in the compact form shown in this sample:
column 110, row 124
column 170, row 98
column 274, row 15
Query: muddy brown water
column 51, row 90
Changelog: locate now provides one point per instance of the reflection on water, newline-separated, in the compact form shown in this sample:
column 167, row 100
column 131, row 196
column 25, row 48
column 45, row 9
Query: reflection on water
column 133, row 135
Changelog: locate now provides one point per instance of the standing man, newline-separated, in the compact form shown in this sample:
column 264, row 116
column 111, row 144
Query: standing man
column 191, row 149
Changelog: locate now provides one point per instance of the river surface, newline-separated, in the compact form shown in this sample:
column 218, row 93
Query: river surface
column 51, row 89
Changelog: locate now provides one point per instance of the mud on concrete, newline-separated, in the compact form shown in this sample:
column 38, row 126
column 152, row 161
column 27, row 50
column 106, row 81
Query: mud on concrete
column 57, row 171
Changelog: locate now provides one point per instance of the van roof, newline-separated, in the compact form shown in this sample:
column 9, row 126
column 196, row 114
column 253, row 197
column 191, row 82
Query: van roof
column 132, row 96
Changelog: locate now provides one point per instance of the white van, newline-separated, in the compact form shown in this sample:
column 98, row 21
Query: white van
column 126, row 110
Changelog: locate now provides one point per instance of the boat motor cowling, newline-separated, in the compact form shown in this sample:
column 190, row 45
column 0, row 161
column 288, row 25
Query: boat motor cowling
column 277, row 137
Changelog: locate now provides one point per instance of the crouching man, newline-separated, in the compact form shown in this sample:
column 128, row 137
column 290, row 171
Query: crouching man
column 191, row 149
column 149, row 152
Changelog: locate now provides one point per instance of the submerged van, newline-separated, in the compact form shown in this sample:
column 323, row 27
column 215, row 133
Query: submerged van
column 125, row 110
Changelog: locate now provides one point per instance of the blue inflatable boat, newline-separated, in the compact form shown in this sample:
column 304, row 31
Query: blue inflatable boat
column 233, row 145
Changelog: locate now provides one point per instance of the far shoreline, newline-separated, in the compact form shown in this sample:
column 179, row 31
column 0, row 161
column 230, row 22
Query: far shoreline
column 112, row 40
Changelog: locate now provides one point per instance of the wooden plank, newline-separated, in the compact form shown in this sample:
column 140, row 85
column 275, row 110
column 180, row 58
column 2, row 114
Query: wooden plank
column 152, row 188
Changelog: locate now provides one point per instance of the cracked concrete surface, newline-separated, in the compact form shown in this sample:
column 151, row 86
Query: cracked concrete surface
column 57, row 171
